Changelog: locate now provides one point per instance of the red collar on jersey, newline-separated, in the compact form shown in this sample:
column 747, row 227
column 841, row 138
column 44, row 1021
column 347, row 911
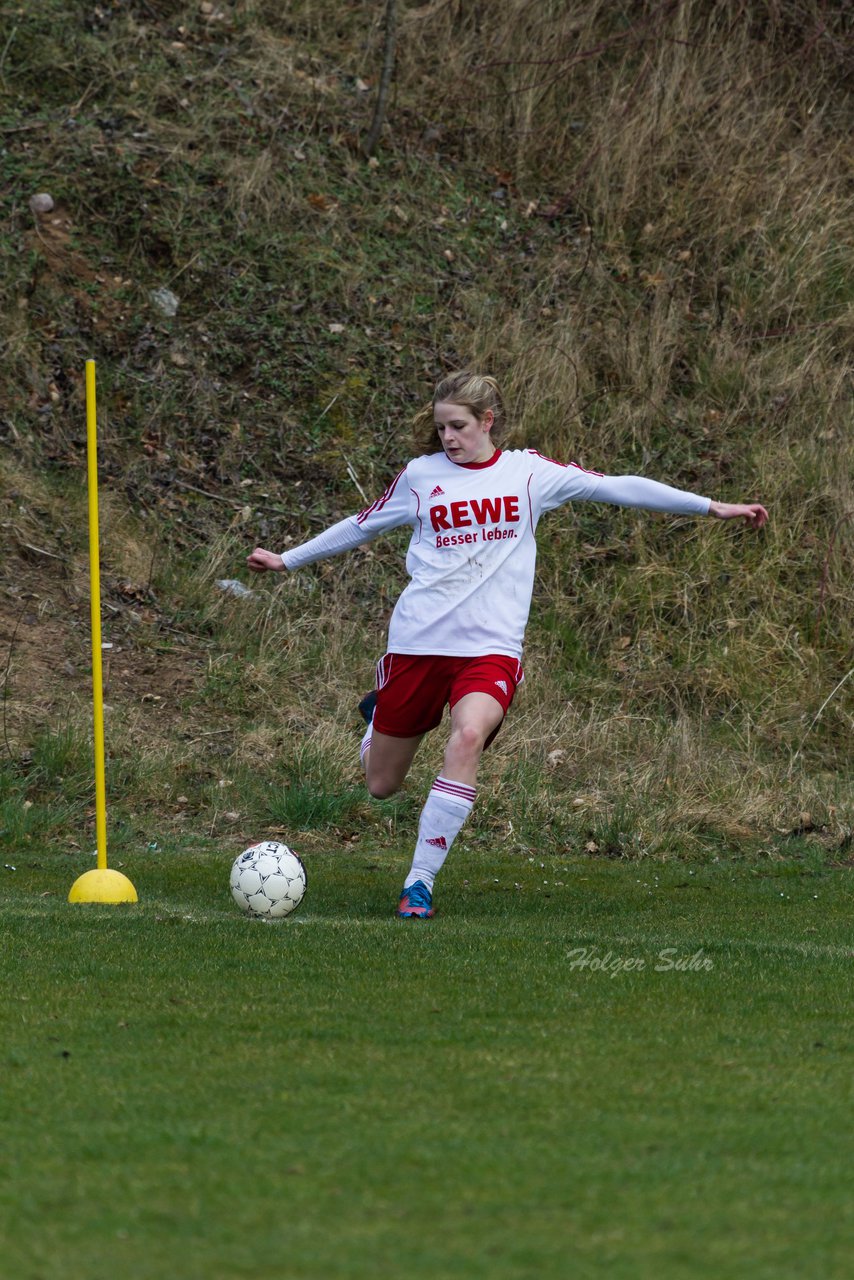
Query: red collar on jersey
column 478, row 466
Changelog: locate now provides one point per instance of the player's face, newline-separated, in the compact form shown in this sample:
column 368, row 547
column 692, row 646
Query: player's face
column 464, row 436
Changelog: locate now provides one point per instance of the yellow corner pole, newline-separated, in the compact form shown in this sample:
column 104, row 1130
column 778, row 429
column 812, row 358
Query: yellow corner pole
column 95, row 613
column 101, row 885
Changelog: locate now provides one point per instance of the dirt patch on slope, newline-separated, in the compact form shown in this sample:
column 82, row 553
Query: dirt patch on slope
column 46, row 655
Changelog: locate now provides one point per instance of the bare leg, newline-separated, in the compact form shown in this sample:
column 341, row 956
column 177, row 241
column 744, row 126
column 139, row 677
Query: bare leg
column 387, row 763
column 473, row 719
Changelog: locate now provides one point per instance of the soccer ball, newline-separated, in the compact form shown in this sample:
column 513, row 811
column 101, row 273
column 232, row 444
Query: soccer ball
column 268, row 880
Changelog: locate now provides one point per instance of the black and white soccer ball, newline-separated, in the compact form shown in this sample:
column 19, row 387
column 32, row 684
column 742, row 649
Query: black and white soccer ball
column 268, row 880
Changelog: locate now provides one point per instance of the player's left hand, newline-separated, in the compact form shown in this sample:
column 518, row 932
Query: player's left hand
column 752, row 512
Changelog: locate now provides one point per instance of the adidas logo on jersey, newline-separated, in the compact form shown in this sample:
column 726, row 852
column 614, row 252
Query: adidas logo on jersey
column 502, row 684
column 438, row 492
column 439, row 842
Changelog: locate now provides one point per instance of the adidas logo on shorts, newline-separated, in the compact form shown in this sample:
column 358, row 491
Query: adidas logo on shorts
column 502, row 684
column 438, row 492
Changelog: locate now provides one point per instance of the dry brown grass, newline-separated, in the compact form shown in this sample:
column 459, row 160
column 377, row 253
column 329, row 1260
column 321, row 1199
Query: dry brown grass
column 671, row 296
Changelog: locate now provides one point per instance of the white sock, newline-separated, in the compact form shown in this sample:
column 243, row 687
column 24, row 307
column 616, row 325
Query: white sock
column 446, row 809
column 366, row 742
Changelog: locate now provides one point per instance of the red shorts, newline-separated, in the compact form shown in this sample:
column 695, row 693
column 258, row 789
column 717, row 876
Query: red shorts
column 413, row 689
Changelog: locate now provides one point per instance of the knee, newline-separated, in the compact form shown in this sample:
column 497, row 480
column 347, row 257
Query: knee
column 466, row 741
column 380, row 788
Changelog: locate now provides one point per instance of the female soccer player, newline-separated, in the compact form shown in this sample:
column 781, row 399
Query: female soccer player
column 456, row 632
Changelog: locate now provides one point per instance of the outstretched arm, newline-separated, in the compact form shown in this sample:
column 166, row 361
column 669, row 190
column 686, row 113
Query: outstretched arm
column 557, row 484
column 637, row 491
column 388, row 512
column 752, row 512
column 343, row 536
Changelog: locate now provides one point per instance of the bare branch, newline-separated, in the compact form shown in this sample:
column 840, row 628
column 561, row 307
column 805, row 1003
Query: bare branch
column 385, row 79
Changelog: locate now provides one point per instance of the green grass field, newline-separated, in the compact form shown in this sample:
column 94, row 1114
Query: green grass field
column 191, row 1094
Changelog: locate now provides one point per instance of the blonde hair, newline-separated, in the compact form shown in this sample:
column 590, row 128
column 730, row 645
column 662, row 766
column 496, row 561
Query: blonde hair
column 474, row 391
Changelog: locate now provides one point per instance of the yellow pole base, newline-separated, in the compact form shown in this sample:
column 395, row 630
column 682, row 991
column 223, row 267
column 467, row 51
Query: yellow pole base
column 102, row 885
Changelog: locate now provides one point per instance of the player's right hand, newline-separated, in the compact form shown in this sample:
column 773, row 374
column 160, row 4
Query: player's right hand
column 260, row 561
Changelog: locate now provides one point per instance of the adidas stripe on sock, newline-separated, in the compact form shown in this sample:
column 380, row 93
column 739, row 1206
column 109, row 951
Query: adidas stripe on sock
column 445, row 810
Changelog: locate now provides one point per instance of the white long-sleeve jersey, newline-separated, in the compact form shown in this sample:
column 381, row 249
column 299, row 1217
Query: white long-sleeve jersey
column 473, row 550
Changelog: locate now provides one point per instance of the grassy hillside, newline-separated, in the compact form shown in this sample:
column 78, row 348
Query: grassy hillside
column 637, row 216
